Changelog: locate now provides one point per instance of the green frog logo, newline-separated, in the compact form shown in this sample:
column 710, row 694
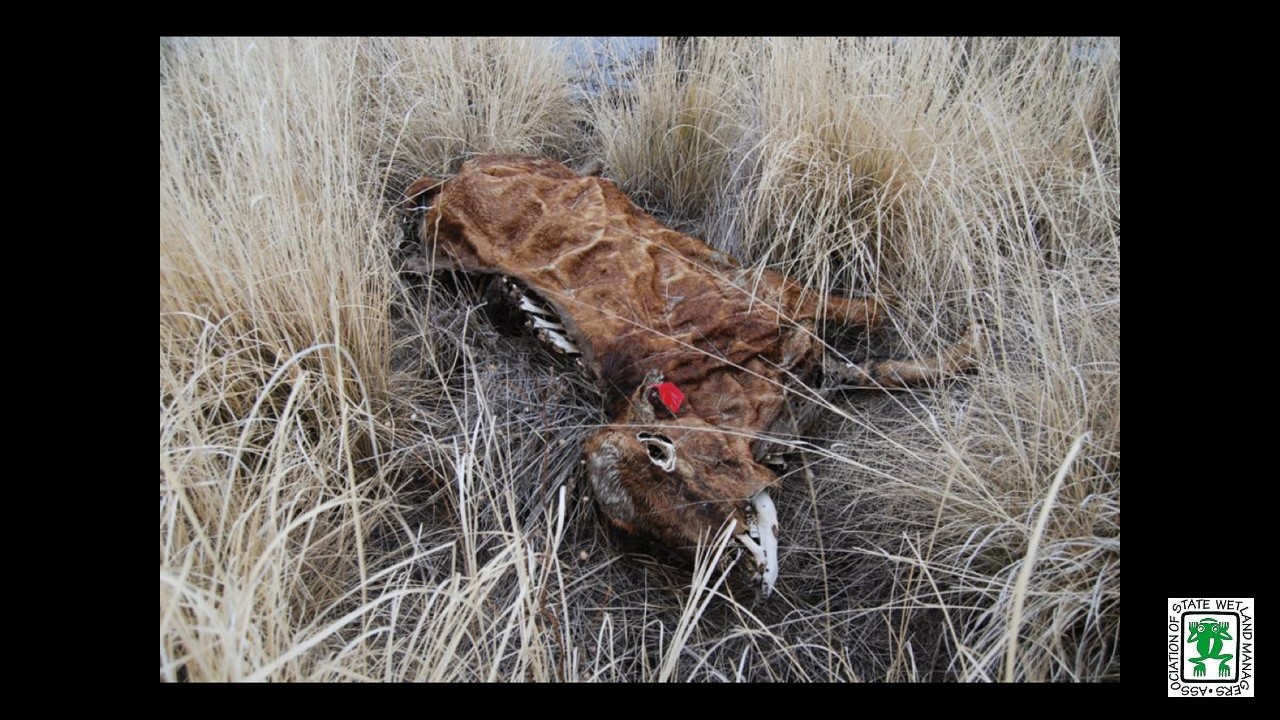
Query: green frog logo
column 1208, row 634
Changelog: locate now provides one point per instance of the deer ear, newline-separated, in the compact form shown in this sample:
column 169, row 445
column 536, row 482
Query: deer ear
column 420, row 194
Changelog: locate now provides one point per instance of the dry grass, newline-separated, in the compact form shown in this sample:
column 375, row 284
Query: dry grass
column 366, row 477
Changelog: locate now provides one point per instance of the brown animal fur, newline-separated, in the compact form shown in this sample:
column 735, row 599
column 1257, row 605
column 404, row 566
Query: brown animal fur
column 639, row 299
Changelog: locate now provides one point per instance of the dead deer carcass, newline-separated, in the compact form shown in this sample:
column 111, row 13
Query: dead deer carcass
column 702, row 355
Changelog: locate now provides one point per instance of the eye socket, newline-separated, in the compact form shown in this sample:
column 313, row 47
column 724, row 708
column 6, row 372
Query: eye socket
column 662, row 452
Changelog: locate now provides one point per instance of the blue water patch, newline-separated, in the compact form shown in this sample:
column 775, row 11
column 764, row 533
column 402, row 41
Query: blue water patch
column 597, row 63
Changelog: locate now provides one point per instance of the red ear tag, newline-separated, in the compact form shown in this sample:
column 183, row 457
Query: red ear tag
column 670, row 396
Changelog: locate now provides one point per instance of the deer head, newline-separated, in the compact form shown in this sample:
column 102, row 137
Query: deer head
column 681, row 480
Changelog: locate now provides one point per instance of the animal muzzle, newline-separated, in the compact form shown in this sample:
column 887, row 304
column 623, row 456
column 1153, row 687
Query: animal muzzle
column 660, row 484
column 761, row 541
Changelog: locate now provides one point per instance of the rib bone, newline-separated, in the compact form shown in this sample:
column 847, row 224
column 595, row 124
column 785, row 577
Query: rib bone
column 530, row 306
column 540, row 323
column 559, row 341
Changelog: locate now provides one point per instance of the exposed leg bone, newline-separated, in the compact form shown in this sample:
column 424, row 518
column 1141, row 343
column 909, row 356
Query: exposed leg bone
column 767, row 521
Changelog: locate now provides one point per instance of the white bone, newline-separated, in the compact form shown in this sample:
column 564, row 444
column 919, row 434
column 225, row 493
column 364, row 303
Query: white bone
column 767, row 520
column 540, row 323
column 561, row 342
column 530, row 306
column 756, row 552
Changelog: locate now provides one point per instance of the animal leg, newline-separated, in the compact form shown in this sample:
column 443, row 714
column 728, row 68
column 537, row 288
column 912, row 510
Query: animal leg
column 894, row 374
column 761, row 540
column 865, row 312
column 801, row 304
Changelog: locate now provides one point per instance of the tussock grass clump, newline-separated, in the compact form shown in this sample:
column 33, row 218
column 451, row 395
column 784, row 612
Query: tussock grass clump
column 445, row 99
column 666, row 131
column 275, row 293
column 281, row 465
column 370, row 476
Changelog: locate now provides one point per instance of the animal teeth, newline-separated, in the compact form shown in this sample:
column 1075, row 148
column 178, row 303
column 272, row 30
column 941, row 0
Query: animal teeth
column 757, row 553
